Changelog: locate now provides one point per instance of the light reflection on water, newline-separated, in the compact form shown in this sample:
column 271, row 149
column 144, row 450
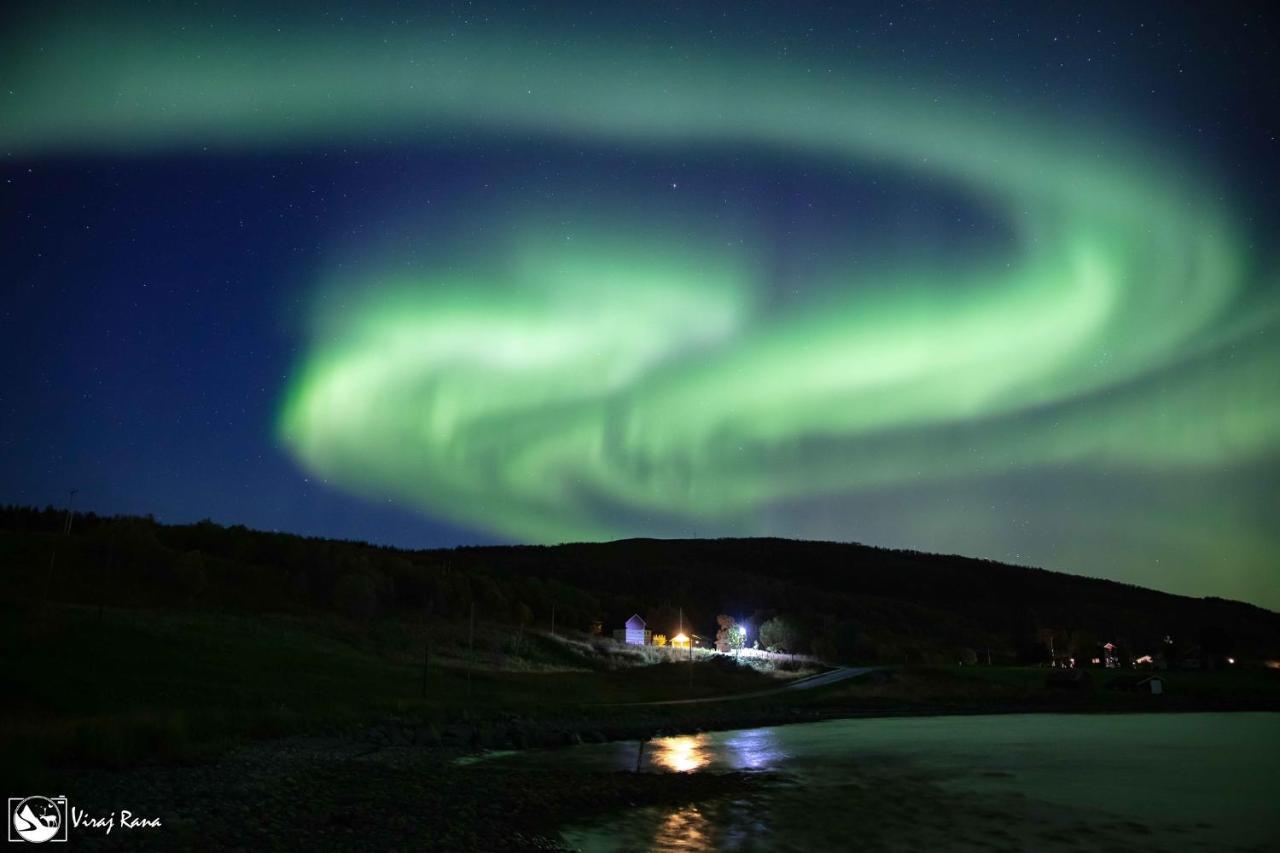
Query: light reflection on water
column 682, row 754
column 755, row 749
column 683, row 829
column 749, row 749
column 1032, row 782
column 723, row 825
column 703, row 827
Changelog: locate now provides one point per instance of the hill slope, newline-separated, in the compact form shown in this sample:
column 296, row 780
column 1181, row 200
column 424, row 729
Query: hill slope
column 903, row 604
column 842, row 600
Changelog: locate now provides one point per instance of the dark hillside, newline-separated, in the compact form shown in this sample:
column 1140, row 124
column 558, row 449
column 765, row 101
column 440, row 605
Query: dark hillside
column 844, row 601
column 903, row 602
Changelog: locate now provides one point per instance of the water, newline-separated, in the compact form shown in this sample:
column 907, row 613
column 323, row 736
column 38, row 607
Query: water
column 1009, row 782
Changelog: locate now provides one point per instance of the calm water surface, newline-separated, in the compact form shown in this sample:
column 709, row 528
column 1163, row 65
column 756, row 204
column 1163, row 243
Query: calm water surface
column 1010, row 782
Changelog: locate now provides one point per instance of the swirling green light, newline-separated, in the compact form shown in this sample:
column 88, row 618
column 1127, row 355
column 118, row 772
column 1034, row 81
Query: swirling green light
column 638, row 384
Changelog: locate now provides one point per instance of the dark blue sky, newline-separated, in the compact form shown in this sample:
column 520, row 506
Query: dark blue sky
column 156, row 315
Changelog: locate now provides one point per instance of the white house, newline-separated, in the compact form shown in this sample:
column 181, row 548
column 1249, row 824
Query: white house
column 635, row 634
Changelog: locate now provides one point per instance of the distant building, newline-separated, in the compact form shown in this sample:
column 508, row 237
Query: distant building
column 635, row 634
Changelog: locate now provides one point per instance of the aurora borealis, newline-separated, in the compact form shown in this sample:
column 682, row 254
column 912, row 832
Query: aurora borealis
column 638, row 280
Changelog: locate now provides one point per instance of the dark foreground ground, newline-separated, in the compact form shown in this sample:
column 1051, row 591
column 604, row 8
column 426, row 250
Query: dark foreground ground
column 283, row 734
column 316, row 794
column 321, row 793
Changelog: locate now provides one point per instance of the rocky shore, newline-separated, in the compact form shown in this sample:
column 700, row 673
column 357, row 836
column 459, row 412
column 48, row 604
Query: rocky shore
column 397, row 783
column 336, row 794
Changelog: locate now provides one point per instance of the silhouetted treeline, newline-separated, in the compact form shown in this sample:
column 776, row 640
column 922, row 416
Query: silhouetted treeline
column 840, row 600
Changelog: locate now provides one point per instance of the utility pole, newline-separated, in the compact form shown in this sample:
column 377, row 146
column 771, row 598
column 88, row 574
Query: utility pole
column 71, row 500
column 102, row 584
column 53, row 555
column 426, row 641
column 689, row 639
column 471, row 649
column 426, row 662
column 553, row 618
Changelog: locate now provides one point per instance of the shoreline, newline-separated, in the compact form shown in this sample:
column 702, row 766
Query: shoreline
column 518, row 733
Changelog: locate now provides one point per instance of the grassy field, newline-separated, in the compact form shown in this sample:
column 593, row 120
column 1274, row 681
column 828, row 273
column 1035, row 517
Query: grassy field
column 120, row 686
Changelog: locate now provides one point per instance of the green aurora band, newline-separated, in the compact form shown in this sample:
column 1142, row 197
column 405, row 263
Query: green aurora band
column 623, row 385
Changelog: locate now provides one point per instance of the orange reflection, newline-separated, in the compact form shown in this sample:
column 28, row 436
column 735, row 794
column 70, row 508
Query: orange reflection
column 682, row 754
column 683, row 829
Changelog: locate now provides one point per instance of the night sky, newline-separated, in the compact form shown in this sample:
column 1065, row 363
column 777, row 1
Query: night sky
column 978, row 279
